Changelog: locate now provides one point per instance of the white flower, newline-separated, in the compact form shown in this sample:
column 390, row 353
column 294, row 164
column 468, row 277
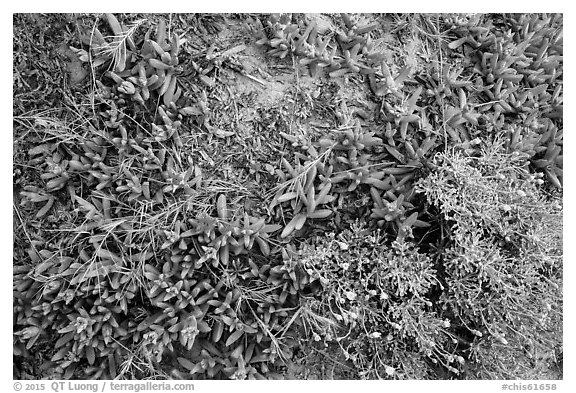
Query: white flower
column 389, row 370
column 446, row 323
column 375, row 335
column 81, row 324
column 151, row 337
column 350, row 295
column 345, row 265
column 343, row 246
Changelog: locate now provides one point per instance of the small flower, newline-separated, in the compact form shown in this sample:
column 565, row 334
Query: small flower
column 446, row 323
column 395, row 325
column 317, row 337
column 384, row 296
column 238, row 375
column 67, row 295
column 190, row 332
column 350, row 295
column 521, row 193
column 343, row 246
column 453, row 369
column 389, row 370
column 151, row 337
column 81, row 324
column 172, row 290
column 345, row 266
column 51, row 286
column 375, row 335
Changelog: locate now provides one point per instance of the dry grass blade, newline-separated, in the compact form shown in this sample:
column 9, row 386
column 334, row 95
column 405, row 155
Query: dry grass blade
column 302, row 177
column 117, row 47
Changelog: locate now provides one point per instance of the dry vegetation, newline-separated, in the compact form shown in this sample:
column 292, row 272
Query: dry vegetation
column 288, row 196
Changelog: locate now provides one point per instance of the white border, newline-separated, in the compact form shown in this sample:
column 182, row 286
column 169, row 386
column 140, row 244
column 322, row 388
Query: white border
column 300, row 6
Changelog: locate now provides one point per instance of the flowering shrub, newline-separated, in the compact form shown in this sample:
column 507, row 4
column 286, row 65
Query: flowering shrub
column 501, row 261
column 376, row 297
column 489, row 282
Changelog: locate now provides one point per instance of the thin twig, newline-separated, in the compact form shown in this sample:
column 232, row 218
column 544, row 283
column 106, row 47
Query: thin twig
column 24, row 227
column 441, row 82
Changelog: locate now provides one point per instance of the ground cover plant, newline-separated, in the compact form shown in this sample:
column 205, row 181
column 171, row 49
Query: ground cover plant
column 270, row 196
